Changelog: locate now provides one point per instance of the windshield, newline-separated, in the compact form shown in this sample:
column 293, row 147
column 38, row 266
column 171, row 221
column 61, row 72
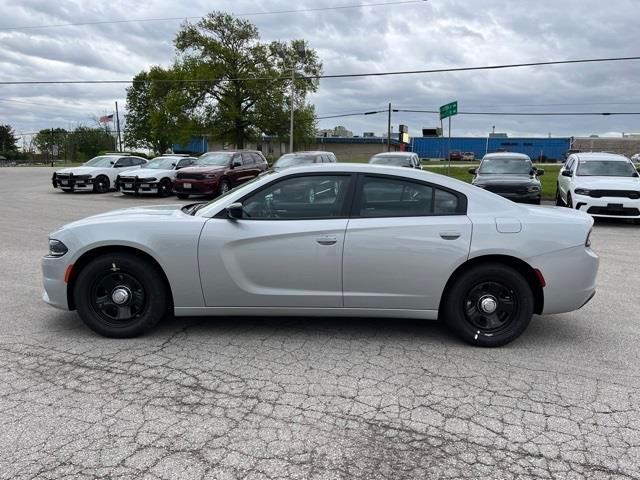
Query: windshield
column 605, row 168
column 505, row 166
column 291, row 160
column 390, row 160
column 103, row 161
column 219, row 159
column 162, row 163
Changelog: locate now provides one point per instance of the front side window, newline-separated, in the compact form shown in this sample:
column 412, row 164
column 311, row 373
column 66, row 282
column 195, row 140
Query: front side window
column 214, row 159
column 394, row 161
column 305, row 197
column 390, row 197
column 101, row 162
column 162, row 163
column 123, row 162
column 185, row 162
column 138, row 161
column 248, row 159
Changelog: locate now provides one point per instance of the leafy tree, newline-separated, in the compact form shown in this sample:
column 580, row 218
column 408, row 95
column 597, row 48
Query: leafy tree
column 52, row 141
column 219, row 56
column 148, row 121
column 8, row 139
column 87, row 142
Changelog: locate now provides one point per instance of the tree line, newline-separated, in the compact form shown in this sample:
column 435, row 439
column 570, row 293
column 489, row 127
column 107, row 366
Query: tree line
column 206, row 92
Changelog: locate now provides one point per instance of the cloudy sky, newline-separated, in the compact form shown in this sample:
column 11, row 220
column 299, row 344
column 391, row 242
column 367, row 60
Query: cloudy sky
column 424, row 35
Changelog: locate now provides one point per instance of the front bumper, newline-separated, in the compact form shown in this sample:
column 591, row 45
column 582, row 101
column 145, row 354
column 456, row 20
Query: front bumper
column 136, row 186
column 607, row 207
column 72, row 183
column 55, row 288
column 196, row 187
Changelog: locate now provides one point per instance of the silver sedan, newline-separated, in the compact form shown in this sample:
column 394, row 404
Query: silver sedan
column 328, row 240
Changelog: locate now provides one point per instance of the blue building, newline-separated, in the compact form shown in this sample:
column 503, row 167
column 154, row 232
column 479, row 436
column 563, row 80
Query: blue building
column 195, row 145
column 546, row 149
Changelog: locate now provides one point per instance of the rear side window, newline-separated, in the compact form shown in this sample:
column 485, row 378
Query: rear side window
column 248, row 159
column 393, row 197
column 258, row 158
column 137, row 161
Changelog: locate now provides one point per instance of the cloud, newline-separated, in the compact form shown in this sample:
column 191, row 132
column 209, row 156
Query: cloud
column 434, row 34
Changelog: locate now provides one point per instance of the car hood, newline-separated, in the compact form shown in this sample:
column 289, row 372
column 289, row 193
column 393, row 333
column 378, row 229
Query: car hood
column 82, row 170
column 204, row 169
column 136, row 214
column 146, row 172
column 608, row 183
column 506, row 179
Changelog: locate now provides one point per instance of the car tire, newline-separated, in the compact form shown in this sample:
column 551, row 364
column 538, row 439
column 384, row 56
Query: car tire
column 125, row 278
column 559, row 202
column 224, row 187
column 470, row 299
column 569, row 201
column 165, row 187
column 182, row 196
column 101, row 184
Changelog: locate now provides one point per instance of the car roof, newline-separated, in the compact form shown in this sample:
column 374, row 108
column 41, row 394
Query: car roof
column 586, row 156
column 239, row 150
column 521, row 156
column 394, row 154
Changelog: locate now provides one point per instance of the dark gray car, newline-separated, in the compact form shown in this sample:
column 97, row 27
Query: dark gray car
column 510, row 175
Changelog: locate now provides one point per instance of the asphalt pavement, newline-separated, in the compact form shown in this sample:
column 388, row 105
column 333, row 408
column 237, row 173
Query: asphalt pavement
column 307, row 398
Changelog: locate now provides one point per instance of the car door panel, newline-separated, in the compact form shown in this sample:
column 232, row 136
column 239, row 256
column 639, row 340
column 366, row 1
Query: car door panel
column 404, row 262
column 272, row 263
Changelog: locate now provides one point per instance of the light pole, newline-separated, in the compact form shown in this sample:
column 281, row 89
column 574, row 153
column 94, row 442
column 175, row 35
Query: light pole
column 301, row 54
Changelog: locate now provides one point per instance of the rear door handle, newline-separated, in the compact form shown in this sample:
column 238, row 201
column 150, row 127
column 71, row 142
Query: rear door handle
column 450, row 235
column 327, row 240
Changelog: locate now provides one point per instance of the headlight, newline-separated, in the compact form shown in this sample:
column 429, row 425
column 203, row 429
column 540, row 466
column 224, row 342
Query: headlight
column 57, row 248
column 83, row 177
column 533, row 188
column 587, row 242
column 582, row 191
column 151, row 179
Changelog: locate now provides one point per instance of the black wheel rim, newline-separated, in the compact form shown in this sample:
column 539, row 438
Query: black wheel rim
column 102, row 185
column 224, row 188
column 165, row 189
column 490, row 307
column 118, row 298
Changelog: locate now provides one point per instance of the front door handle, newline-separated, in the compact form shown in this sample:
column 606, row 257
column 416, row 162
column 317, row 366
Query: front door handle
column 450, row 235
column 327, row 240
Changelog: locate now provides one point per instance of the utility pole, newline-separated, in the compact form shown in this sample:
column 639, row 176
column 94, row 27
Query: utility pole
column 118, row 128
column 293, row 79
column 389, row 129
column 449, row 149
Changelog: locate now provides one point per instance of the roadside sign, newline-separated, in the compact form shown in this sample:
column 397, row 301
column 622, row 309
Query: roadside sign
column 448, row 110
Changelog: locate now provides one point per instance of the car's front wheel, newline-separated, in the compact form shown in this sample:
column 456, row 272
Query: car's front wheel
column 559, row 202
column 101, row 184
column 120, row 295
column 489, row 305
column 164, row 187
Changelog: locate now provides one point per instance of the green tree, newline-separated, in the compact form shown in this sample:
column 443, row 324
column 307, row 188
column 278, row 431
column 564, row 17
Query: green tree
column 52, row 141
column 8, row 139
column 148, row 120
column 87, row 142
column 210, row 88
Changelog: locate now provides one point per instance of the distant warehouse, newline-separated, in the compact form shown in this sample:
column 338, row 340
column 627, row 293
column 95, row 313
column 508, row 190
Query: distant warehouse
column 539, row 149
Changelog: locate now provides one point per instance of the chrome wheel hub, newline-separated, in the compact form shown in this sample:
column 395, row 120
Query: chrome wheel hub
column 488, row 304
column 120, row 295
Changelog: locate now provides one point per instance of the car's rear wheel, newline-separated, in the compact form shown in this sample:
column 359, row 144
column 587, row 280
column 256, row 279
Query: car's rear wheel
column 559, row 202
column 120, row 295
column 164, row 187
column 101, row 184
column 182, row 196
column 489, row 305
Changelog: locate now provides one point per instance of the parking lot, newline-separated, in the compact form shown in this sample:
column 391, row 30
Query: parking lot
column 307, row 398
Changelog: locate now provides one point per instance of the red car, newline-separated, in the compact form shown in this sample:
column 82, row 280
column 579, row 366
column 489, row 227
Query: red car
column 215, row 173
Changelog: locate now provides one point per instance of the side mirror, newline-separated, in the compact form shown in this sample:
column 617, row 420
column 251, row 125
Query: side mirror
column 236, row 163
column 473, row 171
column 539, row 172
column 636, row 174
column 234, row 211
column 567, row 173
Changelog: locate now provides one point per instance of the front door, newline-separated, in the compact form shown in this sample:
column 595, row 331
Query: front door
column 286, row 251
column 404, row 240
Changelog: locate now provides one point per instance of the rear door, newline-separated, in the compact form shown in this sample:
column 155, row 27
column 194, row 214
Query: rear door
column 564, row 183
column 285, row 252
column 403, row 241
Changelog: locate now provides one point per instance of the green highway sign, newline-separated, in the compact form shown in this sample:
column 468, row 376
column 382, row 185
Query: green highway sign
column 448, row 110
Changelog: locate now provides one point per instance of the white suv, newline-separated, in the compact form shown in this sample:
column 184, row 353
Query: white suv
column 99, row 174
column 601, row 184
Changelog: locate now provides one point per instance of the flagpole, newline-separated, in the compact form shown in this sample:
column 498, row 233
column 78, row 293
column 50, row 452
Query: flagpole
column 118, row 128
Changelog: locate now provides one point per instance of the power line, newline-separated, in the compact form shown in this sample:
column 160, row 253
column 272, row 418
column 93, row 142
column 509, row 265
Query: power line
column 526, row 114
column 247, row 14
column 318, row 77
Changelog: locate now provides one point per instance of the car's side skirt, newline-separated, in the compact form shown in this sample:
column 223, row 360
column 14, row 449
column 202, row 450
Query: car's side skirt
column 304, row 312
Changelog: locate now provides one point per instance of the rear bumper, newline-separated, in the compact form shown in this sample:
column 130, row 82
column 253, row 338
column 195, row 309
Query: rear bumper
column 196, row 187
column 570, row 277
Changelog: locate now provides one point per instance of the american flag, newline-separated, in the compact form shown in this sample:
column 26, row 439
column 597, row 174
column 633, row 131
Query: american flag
column 106, row 118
